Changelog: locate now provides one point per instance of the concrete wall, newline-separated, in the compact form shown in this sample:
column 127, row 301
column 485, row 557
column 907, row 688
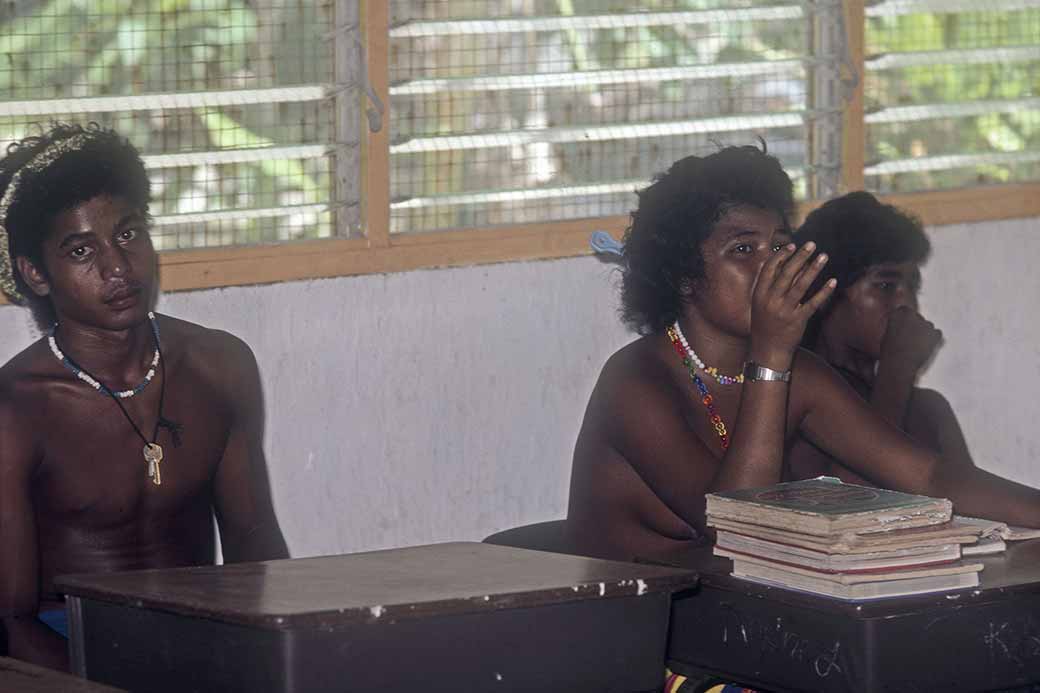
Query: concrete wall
column 444, row 404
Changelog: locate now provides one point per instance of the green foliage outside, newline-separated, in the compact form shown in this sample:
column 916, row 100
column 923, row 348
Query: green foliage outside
column 1009, row 130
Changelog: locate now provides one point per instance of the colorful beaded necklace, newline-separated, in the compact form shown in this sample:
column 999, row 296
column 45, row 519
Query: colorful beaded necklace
column 720, row 378
column 690, row 360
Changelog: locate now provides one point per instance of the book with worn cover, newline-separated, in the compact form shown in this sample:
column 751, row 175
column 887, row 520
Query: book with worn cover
column 825, row 506
column 892, row 583
column 995, row 528
column 737, row 546
column 986, row 545
column 871, row 590
column 953, row 532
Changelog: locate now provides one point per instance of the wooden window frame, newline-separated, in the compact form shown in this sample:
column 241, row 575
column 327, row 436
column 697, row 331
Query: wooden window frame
column 379, row 251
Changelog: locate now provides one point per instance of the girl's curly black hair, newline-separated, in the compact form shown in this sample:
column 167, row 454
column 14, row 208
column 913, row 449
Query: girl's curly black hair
column 676, row 213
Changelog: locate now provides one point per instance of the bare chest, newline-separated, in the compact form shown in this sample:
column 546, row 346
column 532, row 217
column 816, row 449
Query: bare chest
column 94, row 472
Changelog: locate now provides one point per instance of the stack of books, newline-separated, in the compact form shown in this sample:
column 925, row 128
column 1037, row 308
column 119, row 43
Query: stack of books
column 842, row 540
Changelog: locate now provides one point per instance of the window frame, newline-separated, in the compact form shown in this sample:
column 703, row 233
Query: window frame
column 377, row 251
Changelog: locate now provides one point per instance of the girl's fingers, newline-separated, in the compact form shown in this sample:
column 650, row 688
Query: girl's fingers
column 804, row 280
column 767, row 275
column 792, row 267
column 821, row 296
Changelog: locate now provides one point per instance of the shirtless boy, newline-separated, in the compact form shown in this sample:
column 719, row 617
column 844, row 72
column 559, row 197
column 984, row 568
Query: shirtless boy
column 711, row 278
column 871, row 331
column 122, row 435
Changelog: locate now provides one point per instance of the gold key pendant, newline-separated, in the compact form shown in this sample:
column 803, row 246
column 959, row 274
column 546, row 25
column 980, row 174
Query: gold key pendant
column 153, row 456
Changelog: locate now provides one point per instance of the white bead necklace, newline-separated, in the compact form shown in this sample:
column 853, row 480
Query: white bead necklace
column 720, row 378
column 79, row 373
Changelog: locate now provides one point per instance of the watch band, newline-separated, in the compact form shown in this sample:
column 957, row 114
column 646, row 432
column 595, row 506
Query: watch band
column 754, row 372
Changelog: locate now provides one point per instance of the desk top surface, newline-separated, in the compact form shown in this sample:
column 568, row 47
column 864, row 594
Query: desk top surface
column 1015, row 571
column 412, row 582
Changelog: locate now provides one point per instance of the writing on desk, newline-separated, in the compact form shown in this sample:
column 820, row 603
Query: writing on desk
column 1013, row 642
column 774, row 638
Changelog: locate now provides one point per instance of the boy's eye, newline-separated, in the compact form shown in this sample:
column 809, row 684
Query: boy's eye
column 80, row 252
column 743, row 248
column 128, row 235
column 776, row 247
column 886, row 286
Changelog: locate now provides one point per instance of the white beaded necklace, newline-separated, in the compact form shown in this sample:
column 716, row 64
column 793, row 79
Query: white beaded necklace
column 720, row 378
column 79, row 373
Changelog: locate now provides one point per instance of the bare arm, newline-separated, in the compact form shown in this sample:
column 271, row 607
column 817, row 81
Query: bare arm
column 931, row 421
column 893, row 387
column 28, row 639
column 909, row 343
column 778, row 319
column 842, row 424
column 249, row 530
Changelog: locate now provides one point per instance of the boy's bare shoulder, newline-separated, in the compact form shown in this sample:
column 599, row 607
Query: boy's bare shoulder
column 26, row 370
column 216, row 354
column 24, row 396
column 198, row 340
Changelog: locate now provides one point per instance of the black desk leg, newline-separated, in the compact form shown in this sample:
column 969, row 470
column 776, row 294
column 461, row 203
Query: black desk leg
column 77, row 653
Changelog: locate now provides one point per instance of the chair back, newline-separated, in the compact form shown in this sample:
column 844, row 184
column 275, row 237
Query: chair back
column 540, row 536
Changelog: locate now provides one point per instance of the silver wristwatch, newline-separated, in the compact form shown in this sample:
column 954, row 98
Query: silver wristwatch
column 754, row 372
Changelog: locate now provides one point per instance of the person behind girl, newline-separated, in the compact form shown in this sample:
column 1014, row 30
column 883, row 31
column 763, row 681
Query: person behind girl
column 872, row 332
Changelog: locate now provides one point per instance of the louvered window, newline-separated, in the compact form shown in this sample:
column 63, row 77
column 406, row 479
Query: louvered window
column 520, row 111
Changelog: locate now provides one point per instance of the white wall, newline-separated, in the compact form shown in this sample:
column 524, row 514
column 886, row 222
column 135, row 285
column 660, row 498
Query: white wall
column 982, row 288
column 444, row 404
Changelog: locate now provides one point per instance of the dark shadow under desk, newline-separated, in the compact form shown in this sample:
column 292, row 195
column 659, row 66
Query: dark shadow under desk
column 982, row 638
column 458, row 617
column 21, row 677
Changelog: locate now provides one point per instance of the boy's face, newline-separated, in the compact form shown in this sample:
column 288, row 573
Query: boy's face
column 741, row 242
column 862, row 311
column 100, row 264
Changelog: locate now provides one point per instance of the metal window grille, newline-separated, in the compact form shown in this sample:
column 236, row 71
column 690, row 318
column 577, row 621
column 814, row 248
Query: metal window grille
column 952, row 93
column 519, row 111
column 232, row 104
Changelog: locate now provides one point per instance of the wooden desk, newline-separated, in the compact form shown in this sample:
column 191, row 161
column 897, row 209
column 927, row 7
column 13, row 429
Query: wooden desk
column 460, row 617
column 22, row 677
column 982, row 638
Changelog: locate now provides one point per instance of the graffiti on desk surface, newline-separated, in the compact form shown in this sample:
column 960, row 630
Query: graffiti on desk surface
column 1015, row 642
column 776, row 638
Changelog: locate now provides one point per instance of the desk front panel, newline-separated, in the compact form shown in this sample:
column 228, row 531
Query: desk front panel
column 756, row 638
column 607, row 645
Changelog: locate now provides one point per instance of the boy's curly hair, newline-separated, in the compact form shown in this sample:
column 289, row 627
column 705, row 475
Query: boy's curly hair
column 53, row 172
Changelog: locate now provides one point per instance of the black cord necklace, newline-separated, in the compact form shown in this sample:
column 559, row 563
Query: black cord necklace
column 153, row 452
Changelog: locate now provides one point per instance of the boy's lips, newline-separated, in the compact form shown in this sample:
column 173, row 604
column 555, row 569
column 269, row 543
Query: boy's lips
column 123, row 295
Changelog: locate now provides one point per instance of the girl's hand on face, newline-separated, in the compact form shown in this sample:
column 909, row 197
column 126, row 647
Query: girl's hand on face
column 910, row 340
column 778, row 312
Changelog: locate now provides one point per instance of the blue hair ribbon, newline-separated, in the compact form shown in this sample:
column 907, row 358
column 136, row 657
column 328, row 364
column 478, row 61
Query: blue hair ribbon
column 603, row 243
